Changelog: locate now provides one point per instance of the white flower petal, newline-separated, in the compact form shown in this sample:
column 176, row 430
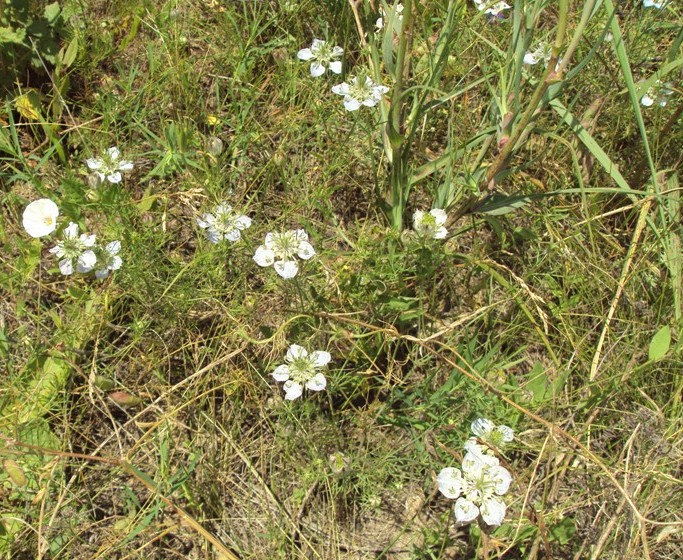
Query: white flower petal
column 482, row 427
column 647, row 101
column 114, row 177
column 305, row 54
column 113, row 247
column 507, row 434
column 242, row 222
column 292, row 389
column 317, row 44
column 94, row 163
column 102, row 274
column 286, row 269
column 66, row 267
column 214, row 237
column 351, row 104
column 317, row 69
column 465, row 511
column 441, row 233
column 125, row 166
column 501, row 477
column 71, row 231
column 233, row 235
column 264, row 256
column 317, row 382
column 493, row 511
column 86, row 261
column 268, row 243
column 440, row 216
column 341, row 89
column 281, row 373
column 320, row 358
column 336, row 66
column 88, row 240
column 337, row 52
column 113, row 153
column 305, row 250
column 295, row 352
column 450, row 482
column 116, row 263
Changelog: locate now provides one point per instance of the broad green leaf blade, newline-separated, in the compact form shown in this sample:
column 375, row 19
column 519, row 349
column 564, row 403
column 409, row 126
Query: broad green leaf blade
column 660, row 344
column 498, row 204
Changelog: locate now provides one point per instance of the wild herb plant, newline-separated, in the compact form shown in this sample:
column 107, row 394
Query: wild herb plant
column 167, row 392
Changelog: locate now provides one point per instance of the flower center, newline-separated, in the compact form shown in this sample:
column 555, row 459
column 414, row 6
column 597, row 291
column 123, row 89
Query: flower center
column 301, row 369
column 360, row 89
column 285, row 245
column 225, row 222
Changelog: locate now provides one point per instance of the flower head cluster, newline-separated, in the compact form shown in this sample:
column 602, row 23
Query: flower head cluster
column 108, row 259
column 76, row 248
column 40, row 217
column 488, row 432
column 302, row 370
column 223, row 223
column 323, row 57
column 495, row 10
column 658, row 93
column 360, row 91
column 478, row 485
column 430, row 225
column 109, row 167
column 281, row 249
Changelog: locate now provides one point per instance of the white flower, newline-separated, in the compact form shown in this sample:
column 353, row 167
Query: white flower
column 108, row 166
column 280, row 250
column 398, row 11
column 543, row 51
column 108, row 259
column 476, row 489
column 430, row 225
column 301, row 371
column 658, row 93
column 223, row 223
column 653, row 4
column 40, row 217
column 494, row 10
column 323, row 57
column 487, row 431
column 74, row 247
column 360, row 92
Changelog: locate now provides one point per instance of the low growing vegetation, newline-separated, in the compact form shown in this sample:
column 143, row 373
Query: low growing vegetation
column 341, row 279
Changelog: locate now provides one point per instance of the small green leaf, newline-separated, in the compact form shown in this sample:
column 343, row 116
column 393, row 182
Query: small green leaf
column 68, row 55
column 9, row 35
column 52, row 12
column 660, row 344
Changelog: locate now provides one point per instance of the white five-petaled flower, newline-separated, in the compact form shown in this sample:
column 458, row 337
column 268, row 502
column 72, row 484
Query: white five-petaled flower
column 494, row 10
column 476, row 488
column 430, row 224
column 40, row 217
column 108, row 259
column 281, row 249
column 224, row 223
column 659, row 93
column 543, row 51
column 360, row 92
column 487, row 431
column 72, row 246
column 108, row 166
column 301, row 370
column 322, row 56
